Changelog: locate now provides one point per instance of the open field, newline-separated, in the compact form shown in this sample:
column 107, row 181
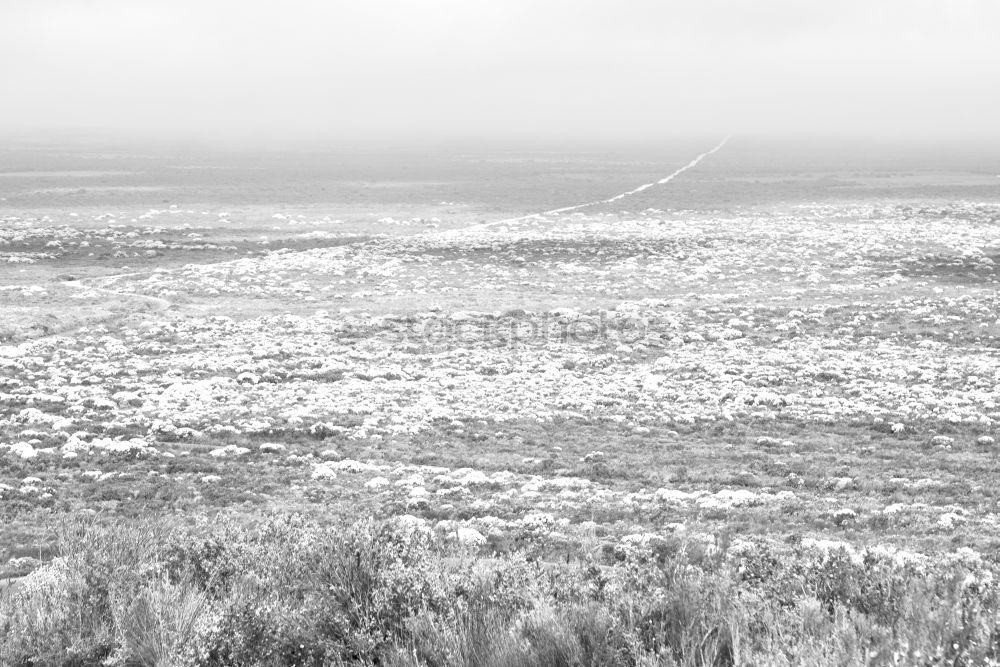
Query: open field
column 782, row 405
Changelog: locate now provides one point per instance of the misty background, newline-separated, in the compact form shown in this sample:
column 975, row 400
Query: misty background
column 254, row 71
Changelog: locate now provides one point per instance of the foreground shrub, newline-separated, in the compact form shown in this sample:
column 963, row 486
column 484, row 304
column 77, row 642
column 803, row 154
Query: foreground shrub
column 62, row 613
column 160, row 624
column 286, row 592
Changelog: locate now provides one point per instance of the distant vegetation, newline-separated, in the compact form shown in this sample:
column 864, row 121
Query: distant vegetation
column 665, row 437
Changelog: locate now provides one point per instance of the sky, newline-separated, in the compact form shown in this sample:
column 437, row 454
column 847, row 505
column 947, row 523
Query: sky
column 566, row 69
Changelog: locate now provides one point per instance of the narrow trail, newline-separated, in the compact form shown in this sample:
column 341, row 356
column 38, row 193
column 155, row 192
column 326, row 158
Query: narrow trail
column 160, row 305
column 566, row 209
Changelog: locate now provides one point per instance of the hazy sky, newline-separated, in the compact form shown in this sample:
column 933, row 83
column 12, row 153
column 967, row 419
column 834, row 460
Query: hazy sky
column 559, row 68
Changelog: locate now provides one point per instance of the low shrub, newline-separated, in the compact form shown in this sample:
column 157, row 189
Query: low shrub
column 286, row 591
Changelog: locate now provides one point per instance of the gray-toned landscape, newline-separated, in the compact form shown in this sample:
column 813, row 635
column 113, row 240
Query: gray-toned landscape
column 451, row 348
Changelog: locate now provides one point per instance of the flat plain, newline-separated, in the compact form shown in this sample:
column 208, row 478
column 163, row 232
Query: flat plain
column 769, row 358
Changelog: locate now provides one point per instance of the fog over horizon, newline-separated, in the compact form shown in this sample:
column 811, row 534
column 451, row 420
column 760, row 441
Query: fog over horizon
column 559, row 70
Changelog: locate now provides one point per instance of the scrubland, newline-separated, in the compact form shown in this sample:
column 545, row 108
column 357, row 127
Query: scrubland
column 761, row 435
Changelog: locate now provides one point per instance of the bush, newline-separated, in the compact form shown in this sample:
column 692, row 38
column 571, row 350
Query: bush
column 159, row 626
column 286, row 591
